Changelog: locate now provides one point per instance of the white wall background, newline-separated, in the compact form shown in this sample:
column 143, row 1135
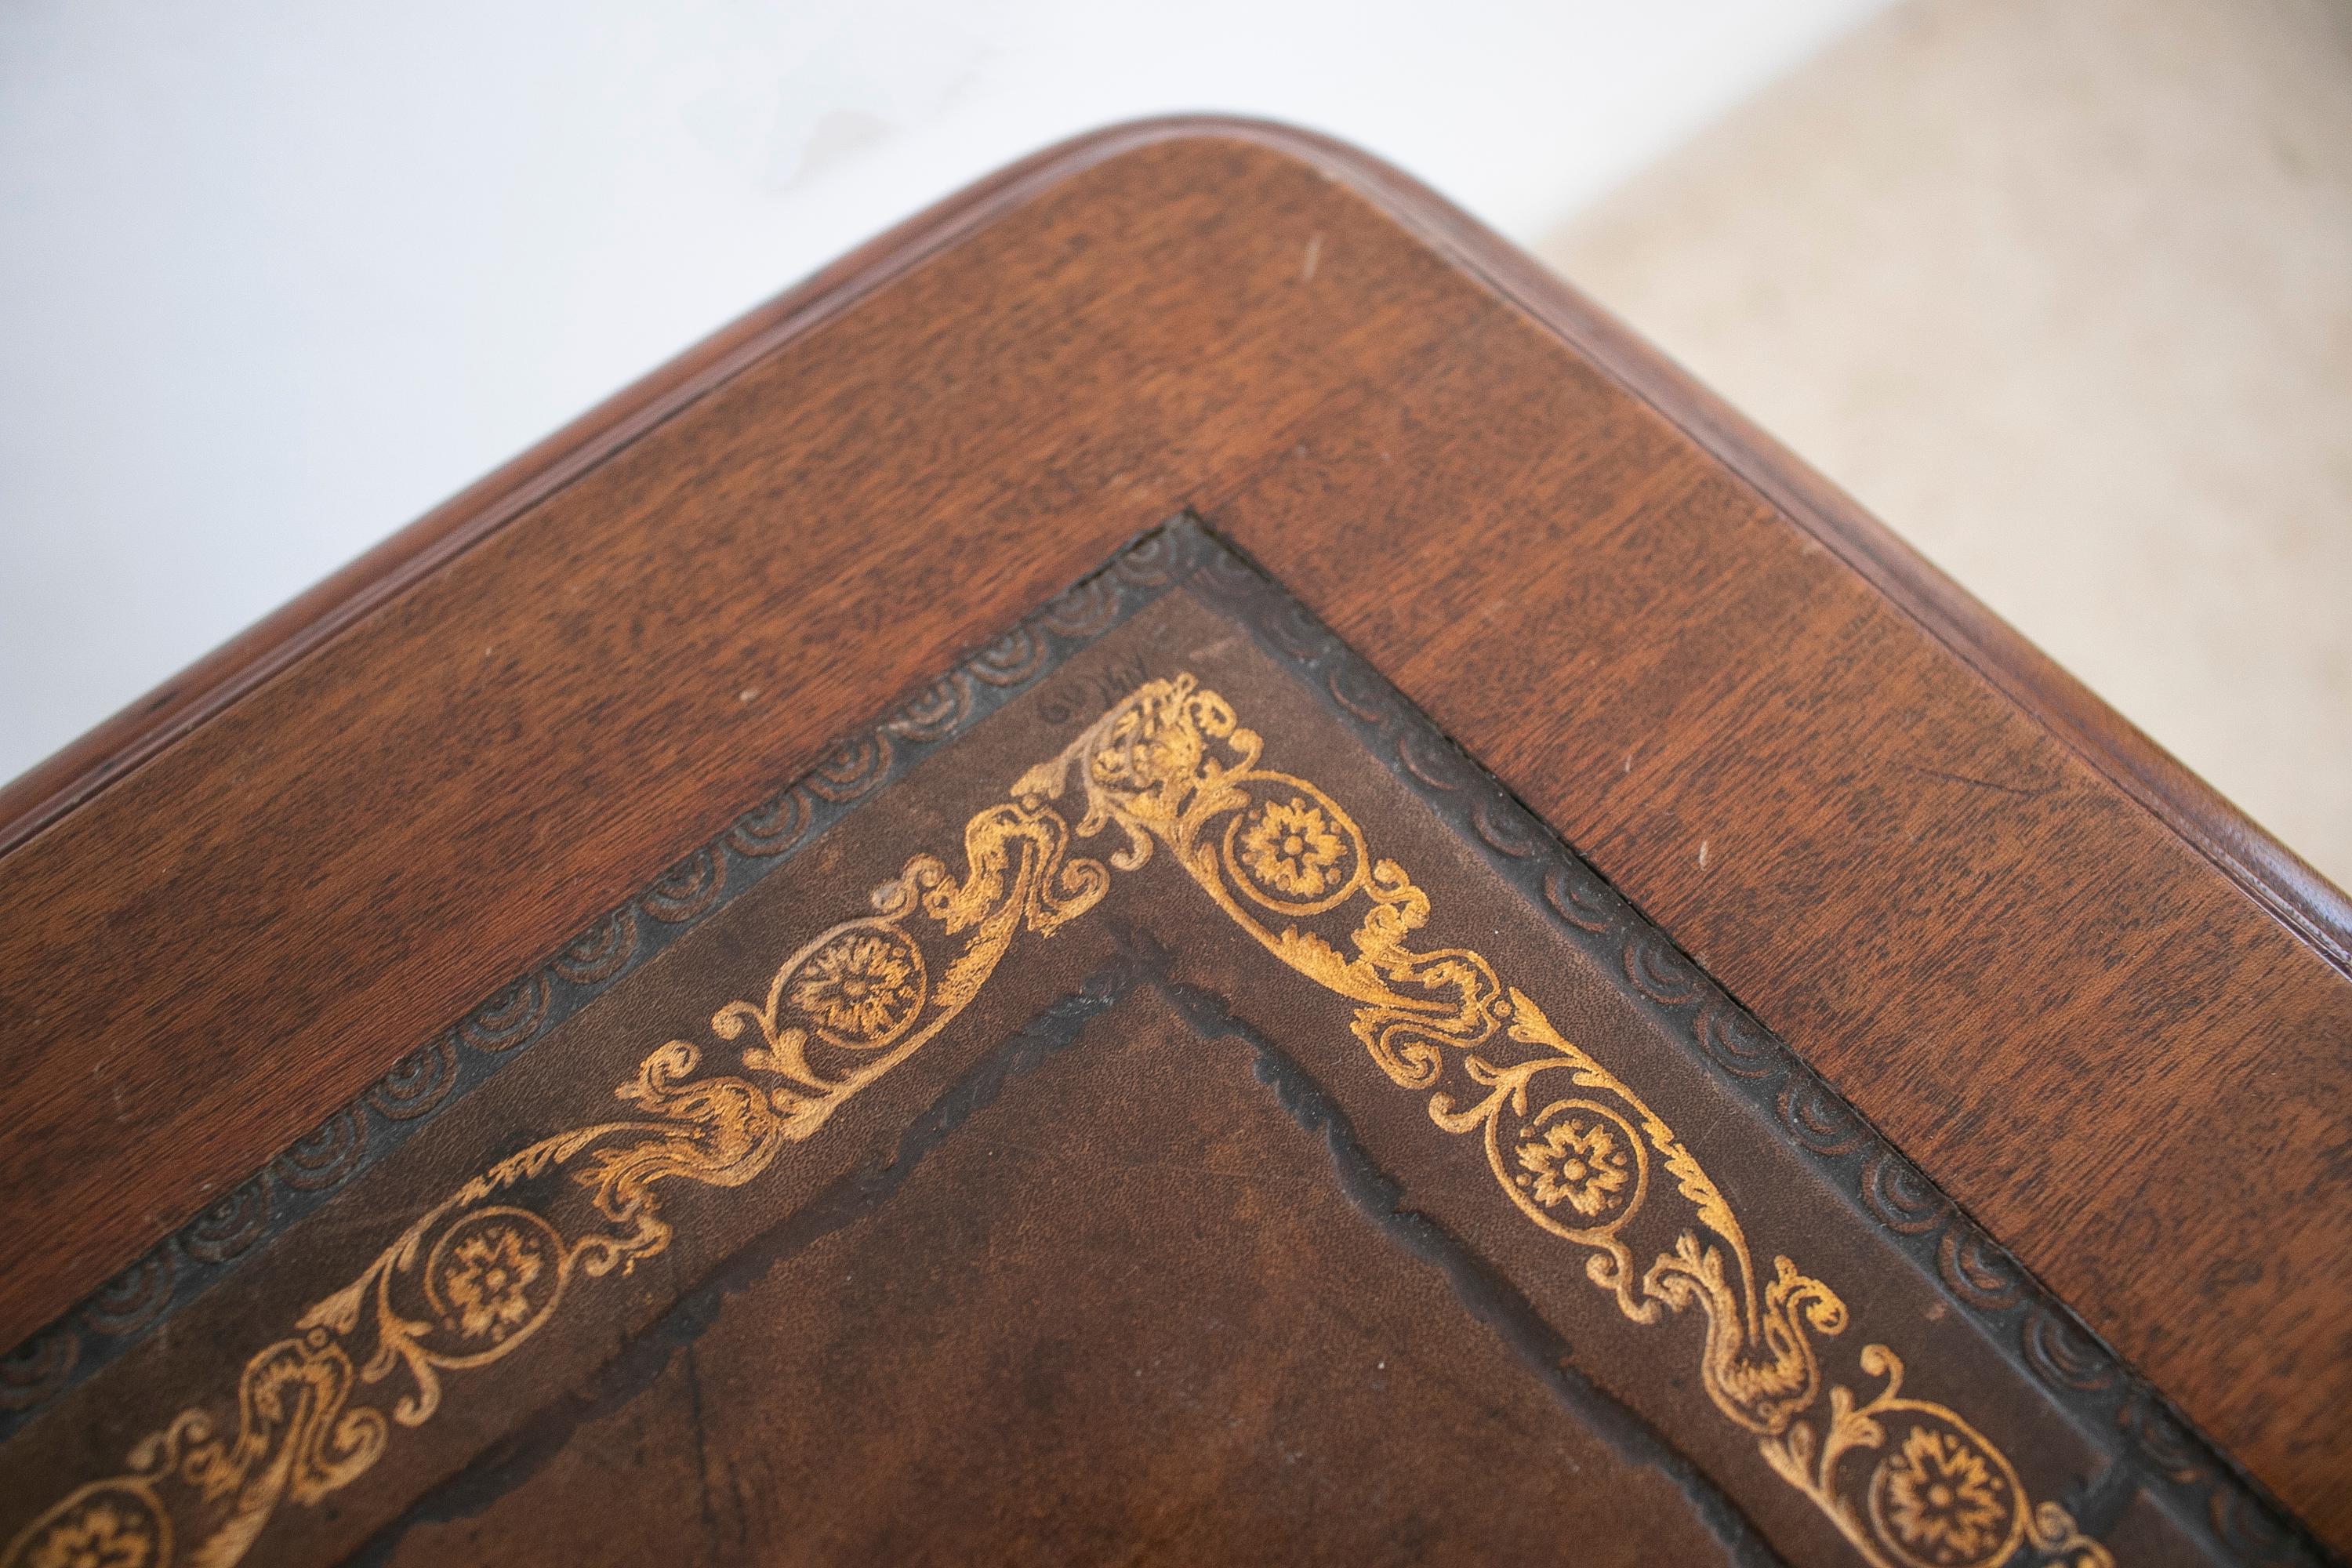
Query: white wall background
column 277, row 276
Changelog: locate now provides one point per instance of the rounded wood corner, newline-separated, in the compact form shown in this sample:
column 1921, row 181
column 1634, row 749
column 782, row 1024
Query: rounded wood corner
column 2282, row 881
column 2267, row 870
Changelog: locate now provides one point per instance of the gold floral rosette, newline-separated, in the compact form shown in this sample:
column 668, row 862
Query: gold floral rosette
column 1168, row 771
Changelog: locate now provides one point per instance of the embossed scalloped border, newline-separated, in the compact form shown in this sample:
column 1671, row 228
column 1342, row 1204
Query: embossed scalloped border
column 459, row 1058
column 2154, row 1447
column 2153, row 1444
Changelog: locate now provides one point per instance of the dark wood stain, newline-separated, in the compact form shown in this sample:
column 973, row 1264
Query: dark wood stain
column 2104, row 1012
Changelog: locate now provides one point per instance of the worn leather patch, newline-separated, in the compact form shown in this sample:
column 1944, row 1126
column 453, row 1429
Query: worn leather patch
column 1151, row 1099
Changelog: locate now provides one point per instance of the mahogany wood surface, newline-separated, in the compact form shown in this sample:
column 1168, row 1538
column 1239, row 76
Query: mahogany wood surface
column 2101, row 1009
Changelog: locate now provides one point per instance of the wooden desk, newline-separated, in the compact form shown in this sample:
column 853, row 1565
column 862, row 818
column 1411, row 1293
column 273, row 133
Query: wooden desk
column 1721, row 1176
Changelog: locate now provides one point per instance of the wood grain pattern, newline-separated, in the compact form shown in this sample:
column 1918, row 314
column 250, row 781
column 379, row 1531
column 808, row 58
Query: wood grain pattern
column 2103, row 1011
column 509, row 1309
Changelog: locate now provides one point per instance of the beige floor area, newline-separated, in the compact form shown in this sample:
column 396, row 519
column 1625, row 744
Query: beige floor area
column 2062, row 289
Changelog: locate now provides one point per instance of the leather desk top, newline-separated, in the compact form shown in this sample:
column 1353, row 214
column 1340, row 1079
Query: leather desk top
column 1501, row 979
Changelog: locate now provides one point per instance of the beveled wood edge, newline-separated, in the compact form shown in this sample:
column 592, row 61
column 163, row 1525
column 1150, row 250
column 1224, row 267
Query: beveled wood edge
column 2147, row 1444
column 2290, row 887
column 2278, row 880
column 117, row 744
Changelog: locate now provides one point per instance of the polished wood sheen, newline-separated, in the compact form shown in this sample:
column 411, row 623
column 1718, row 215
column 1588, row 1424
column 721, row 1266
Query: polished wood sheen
column 1118, row 1174
column 2100, row 1009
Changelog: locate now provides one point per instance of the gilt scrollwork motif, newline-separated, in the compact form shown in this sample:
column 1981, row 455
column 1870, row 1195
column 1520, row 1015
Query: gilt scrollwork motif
column 1575, row 1148
column 1168, row 771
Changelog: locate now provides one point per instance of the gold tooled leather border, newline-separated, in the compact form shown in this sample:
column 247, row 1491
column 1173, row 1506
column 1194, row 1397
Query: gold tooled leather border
column 1170, row 770
column 502, row 1028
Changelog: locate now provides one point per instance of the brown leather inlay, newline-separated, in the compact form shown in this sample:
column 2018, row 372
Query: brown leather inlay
column 1197, row 1054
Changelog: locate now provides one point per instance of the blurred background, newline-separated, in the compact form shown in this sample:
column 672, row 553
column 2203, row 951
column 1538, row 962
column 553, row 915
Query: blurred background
column 2061, row 288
